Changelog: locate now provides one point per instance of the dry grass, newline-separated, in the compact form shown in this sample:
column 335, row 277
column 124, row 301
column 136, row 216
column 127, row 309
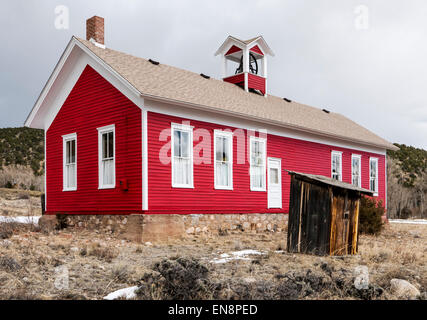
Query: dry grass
column 17, row 202
column 20, row 177
column 98, row 264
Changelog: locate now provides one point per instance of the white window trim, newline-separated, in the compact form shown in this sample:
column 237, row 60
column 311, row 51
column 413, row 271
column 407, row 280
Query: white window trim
column 358, row 156
column 376, row 178
column 101, row 131
column 65, row 139
column 227, row 134
column 189, row 129
column 251, row 139
column 339, row 153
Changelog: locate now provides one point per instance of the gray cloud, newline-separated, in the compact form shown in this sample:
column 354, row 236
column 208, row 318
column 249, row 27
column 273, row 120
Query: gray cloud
column 377, row 76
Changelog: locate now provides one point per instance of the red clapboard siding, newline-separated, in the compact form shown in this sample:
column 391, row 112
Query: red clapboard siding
column 233, row 49
column 236, row 79
column 296, row 155
column 256, row 82
column 256, row 49
column 94, row 103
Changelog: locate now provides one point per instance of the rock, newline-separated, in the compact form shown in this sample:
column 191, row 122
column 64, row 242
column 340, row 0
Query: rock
column 5, row 243
column 249, row 280
column 148, row 244
column 190, row 230
column 403, row 289
column 74, row 249
column 48, row 223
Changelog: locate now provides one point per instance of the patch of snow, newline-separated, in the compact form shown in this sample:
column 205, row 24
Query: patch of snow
column 236, row 255
column 20, row 219
column 127, row 293
column 408, row 221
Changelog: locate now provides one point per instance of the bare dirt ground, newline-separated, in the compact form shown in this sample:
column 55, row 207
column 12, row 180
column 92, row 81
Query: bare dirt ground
column 70, row 264
column 15, row 202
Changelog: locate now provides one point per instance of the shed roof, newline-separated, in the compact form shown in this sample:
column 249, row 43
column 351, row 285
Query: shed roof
column 329, row 181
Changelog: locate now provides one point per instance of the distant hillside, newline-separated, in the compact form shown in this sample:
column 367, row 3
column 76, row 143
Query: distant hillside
column 407, row 182
column 22, row 146
column 21, row 158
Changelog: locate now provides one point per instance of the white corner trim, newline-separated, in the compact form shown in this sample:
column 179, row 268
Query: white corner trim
column 65, row 139
column 101, row 131
column 228, row 135
column 253, row 138
column 144, row 159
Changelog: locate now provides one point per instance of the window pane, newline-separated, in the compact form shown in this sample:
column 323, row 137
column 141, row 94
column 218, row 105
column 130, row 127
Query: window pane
column 181, row 171
column 67, row 152
column 222, row 174
column 73, row 151
column 104, row 146
column 185, row 144
column 176, row 143
column 274, row 175
column 110, row 145
column 218, row 151
column 108, row 172
column 225, row 149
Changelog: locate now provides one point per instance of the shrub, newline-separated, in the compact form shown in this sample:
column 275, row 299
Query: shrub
column 370, row 213
column 176, row 279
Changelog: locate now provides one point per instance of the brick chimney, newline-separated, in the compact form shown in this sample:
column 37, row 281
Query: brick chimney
column 95, row 29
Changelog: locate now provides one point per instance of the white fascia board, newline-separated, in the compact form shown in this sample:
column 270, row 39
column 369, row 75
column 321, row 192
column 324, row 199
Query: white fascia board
column 67, row 72
column 227, row 44
column 262, row 45
column 244, row 121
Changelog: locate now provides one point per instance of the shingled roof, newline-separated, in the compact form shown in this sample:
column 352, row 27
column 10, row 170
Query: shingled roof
column 178, row 85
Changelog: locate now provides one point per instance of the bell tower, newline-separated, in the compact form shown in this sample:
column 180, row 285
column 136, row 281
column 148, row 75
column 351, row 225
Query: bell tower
column 248, row 62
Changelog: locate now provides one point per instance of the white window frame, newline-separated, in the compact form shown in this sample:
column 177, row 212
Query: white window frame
column 339, row 153
column 376, row 177
column 66, row 138
column 101, row 131
column 357, row 156
column 189, row 129
column 251, row 139
column 228, row 135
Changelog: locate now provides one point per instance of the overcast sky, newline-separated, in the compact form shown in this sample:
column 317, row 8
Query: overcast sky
column 364, row 59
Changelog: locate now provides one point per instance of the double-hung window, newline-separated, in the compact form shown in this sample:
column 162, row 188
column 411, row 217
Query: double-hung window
column 258, row 163
column 356, row 177
column 223, row 171
column 107, row 157
column 70, row 162
column 182, row 156
column 336, row 165
column 373, row 175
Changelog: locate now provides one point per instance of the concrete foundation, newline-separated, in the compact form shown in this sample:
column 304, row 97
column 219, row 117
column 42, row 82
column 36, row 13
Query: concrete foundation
column 162, row 227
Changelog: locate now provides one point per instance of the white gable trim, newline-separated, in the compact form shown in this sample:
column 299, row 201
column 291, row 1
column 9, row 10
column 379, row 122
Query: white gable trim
column 226, row 45
column 66, row 73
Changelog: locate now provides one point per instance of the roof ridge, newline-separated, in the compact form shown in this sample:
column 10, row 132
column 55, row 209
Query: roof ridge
column 176, row 84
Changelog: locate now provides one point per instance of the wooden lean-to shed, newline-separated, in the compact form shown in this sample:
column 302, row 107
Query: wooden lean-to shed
column 323, row 215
